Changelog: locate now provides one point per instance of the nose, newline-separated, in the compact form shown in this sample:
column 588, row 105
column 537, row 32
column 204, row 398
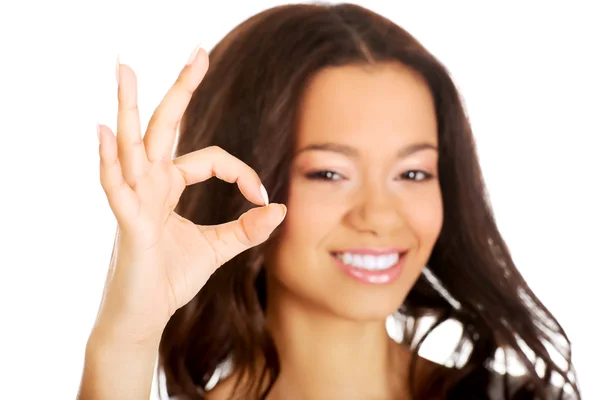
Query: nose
column 377, row 211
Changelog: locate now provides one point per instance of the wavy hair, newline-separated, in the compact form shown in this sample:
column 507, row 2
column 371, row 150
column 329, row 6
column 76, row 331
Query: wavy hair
column 248, row 105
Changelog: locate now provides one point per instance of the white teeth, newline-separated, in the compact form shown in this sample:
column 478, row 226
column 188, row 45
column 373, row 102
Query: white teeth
column 382, row 262
column 369, row 262
column 347, row 258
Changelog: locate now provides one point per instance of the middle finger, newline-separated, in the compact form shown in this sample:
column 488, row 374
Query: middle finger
column 132, row 154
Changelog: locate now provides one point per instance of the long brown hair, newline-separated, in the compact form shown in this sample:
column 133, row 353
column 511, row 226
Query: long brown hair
column 248, row 105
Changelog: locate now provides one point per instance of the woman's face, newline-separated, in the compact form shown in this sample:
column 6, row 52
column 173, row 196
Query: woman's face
column 364, row 207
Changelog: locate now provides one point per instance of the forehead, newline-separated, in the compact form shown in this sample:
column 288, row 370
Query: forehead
column 366, row 105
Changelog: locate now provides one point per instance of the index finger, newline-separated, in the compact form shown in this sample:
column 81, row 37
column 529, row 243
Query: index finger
column 162, row 128
column 203, row 164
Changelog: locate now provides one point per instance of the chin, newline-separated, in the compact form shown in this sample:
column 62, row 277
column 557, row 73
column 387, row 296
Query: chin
column 366, row 305
column 371, row 295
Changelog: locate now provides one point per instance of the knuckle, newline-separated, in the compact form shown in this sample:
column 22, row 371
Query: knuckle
column 106, row 165
column 218, row 256
column 104, row 184
column 161, row 122
column 184, row 174
column 137, row 144
column 243, row 233
column 110, row 194
column 128, row 107
column 182, row 84
column 215, row 150
column 108, row 183
column 169, row 125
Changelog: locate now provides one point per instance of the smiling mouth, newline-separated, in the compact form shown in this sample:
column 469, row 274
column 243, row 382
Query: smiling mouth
column 369, row 262
column 371, row 267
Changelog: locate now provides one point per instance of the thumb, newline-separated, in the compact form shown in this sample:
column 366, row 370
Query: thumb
column 251, row 229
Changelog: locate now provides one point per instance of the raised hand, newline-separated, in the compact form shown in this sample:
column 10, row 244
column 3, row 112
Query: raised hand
column 161, row 260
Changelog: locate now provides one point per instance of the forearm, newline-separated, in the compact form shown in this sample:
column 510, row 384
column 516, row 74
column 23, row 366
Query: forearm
column 117, row 370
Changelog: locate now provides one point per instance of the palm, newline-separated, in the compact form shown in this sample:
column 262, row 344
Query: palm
column 189, row 249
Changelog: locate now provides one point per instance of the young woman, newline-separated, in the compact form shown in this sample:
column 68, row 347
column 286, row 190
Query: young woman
column 352, row 124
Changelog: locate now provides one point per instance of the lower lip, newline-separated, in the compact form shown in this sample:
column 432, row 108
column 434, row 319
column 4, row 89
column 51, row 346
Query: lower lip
column 373, row 277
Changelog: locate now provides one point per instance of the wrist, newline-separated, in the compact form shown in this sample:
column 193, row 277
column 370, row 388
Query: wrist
column 117, row 367
column 107, row 349
column 123, row 338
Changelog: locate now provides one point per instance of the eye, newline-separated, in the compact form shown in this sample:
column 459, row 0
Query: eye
column 416, row 175
column 324, row 175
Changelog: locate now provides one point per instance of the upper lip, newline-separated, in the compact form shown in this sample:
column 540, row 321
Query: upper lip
column 371, row 251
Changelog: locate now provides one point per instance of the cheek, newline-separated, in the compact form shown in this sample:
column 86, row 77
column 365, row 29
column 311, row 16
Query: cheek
column 308, row 221
column 425, row 215
column 313, row 209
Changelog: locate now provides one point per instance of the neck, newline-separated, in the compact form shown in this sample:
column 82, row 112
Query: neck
column 326, row 356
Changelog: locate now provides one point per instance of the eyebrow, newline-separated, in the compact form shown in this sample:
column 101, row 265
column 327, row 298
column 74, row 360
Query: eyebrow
column 353, row 152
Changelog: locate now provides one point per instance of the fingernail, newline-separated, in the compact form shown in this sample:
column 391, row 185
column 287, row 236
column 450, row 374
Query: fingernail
column 284, row 211
column 265, row 196
column 193, row 55
column 117, row 68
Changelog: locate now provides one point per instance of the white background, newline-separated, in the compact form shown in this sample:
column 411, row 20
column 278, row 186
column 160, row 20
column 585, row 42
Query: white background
column 529, row 74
